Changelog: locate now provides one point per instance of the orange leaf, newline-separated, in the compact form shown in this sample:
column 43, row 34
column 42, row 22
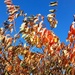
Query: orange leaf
column 9, row 68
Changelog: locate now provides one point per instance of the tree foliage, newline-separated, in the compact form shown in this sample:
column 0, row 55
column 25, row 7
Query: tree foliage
column 56, row 57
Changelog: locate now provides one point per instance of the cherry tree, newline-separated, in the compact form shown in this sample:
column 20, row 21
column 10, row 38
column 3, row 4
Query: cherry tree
column 56, row 57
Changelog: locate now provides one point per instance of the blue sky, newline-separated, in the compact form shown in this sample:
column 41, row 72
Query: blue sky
column 64, row 14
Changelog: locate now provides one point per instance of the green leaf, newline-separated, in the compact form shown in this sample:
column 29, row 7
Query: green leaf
column 24, row 35
column 6, row 73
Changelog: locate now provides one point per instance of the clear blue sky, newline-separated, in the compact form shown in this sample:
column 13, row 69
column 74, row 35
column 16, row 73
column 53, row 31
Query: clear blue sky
column 64, row 14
